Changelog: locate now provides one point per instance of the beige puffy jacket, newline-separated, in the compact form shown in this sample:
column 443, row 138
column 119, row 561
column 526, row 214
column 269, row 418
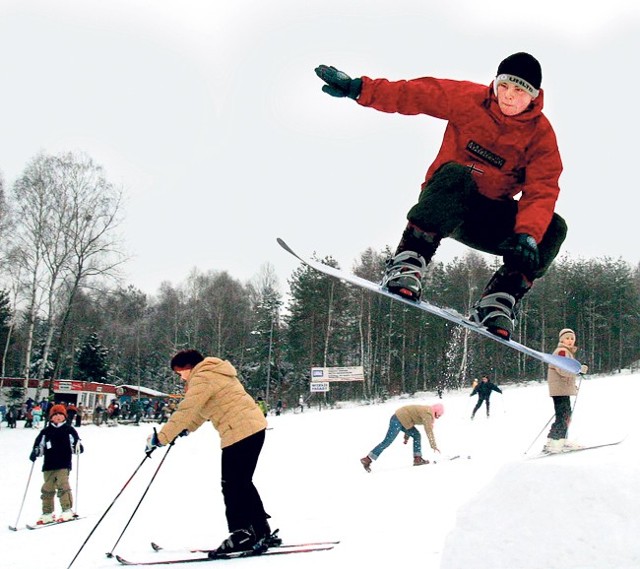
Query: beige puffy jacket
column 562, row 382
column 215, row 394
column 412, row 415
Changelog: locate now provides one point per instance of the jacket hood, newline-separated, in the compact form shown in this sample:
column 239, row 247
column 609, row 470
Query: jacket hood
column 216, row 365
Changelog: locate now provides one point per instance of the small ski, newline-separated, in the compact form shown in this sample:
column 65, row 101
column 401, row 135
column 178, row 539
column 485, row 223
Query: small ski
column 450, row 458
column 54, row 523
column 572, row 450
column 240, row 554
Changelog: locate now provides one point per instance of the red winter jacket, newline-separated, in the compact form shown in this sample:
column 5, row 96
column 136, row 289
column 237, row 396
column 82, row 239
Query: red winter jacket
column 507, row 155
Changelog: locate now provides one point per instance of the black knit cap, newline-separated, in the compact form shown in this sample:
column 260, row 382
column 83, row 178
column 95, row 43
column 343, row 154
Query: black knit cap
column 524, row 67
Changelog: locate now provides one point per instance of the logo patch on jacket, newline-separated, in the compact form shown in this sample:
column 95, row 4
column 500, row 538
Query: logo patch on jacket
column 485, row 154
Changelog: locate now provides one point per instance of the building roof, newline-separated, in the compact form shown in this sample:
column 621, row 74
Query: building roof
column 144, row 390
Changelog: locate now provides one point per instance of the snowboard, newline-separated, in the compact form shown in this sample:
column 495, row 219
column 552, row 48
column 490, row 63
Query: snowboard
column 566, row 364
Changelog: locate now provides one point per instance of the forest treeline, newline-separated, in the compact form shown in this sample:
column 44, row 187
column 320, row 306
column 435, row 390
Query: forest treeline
column 64, row 315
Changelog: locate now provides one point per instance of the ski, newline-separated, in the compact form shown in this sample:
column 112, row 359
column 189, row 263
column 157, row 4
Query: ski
column 54, row 523
column 157, row 547
column 572, row 450
column 240, row 554
column 450, row 314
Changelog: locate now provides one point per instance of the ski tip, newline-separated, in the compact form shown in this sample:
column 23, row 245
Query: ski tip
column 155, row 546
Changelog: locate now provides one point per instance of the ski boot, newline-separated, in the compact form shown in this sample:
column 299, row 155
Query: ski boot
column 45, row 519
column 403, row 275
column 553, row 446
column 570, row 445
column 419, row 461
column 238, row 540
column 66, row 516
column 496, row 313
column 265, row 537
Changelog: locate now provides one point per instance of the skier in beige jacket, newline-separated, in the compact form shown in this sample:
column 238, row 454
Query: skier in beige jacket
column 214, row 393
column 562, row 386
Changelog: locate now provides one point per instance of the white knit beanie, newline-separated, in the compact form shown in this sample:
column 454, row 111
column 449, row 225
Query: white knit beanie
column 565, row 331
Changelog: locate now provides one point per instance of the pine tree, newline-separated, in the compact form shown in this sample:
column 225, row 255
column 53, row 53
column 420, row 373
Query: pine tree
column 92, row 360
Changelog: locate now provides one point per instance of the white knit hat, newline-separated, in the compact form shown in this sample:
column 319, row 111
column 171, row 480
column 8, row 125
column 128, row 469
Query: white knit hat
column 565, row 331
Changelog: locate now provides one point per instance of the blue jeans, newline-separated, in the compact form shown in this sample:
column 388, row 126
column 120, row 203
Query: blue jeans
column 395, row 426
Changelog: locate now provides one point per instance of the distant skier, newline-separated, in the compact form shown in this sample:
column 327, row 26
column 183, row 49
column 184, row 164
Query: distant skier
column 562, row 385
column 263, row 406
column 36, row 413
column 57, row 443
column 497, row 144
column 405, row 419
column 483, row 389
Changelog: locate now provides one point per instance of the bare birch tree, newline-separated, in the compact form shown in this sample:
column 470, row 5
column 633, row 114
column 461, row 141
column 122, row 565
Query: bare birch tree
column 66, row 213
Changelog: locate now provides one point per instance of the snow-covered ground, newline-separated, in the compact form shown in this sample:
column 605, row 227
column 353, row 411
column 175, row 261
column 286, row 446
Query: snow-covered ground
column 496, row 510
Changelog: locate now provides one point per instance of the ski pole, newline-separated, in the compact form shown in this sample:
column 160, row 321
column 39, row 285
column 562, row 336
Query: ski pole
column 77, row 480
column 15, row 528
column 146, row 456
column 110, row 553
column 575, row 401
column 538, row 435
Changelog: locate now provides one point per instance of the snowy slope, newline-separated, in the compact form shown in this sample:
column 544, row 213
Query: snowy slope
column 497, row 510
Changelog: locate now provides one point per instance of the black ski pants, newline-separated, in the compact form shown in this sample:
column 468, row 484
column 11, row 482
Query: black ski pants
column 451, row 206
column 481, row 400
column 562, row 407
column 242, row 502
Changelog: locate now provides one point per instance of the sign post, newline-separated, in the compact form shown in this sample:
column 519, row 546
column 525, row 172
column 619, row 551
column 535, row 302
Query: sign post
column 321, row 377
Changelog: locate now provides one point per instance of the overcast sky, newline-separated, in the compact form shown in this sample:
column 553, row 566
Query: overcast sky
column 209, row 116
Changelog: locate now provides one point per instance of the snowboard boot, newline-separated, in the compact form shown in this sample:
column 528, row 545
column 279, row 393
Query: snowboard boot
column 496, row 308
column 404, row 273
column 45, row 519
column 366, row 463
column 496, row 313
column 554, row 446
column 238, row 540
column 419, row 461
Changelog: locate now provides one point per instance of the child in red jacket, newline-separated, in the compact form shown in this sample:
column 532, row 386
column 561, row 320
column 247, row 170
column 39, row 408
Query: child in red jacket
column 497, row 144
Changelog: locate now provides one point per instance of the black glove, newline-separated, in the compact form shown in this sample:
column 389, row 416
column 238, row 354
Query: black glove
column 79, row 449
column 338, row 83
column 520, row 252
column 35, row 453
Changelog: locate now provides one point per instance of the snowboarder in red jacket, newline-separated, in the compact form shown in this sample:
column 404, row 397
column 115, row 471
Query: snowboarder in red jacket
column 497, row 145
